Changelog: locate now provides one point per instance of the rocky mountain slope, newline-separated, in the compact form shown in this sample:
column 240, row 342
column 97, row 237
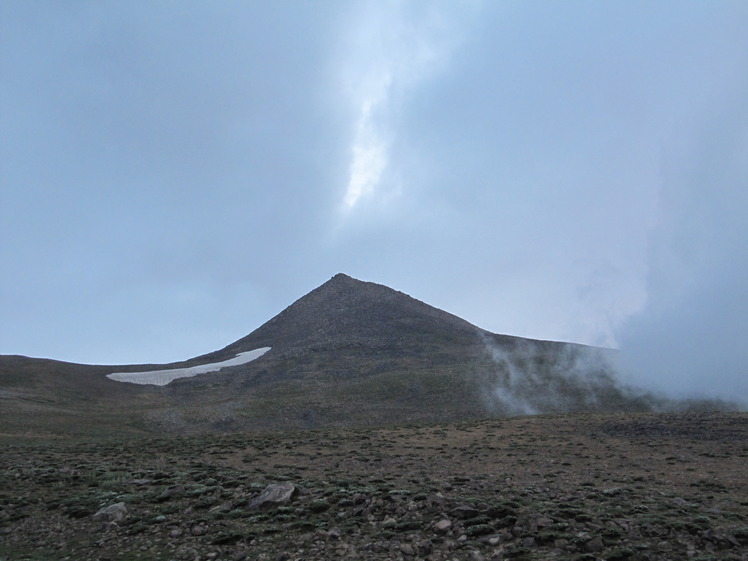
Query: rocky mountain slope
column 349, row 353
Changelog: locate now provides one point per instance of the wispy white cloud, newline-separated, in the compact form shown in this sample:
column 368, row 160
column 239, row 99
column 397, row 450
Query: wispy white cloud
column 390, row 48
column 368, row 153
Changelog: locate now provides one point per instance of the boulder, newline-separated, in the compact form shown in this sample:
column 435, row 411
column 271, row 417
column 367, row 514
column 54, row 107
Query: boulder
column 111, row 513
column 443, row 526
column 274, row 494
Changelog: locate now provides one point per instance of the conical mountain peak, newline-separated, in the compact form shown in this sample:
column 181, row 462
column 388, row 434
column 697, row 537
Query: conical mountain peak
column 342, row 277
column 345, row 311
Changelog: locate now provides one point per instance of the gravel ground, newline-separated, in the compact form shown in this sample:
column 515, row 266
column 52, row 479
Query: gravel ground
column 583, row 488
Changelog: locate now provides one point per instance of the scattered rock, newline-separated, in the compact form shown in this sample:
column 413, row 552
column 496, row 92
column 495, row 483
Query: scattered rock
column 595, row 545
column 223, row 507
column 543, row 522
column 141, row 482
column 380, row 513
column 389, row 523
column 334, row 533
column 443, row 526
column 111, row 513
column 274, row 494
column 463, row 512
column 681, row 502
column 424, row 547
column 171, row 492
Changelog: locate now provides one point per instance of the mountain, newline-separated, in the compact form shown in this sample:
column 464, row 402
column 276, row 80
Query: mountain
column 349, row 353
column 345, row 314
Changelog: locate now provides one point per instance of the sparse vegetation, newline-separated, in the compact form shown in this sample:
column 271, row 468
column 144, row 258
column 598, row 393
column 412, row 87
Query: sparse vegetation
column 349, row 353
column 189, row 497
column 387, row 417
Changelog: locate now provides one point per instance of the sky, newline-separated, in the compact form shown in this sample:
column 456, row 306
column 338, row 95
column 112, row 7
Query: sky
column 173, row 174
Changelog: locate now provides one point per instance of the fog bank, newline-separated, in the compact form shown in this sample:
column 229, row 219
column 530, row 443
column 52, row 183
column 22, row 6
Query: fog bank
column 690, row 338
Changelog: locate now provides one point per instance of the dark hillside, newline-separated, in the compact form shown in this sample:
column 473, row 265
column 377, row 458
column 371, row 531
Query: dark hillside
column 349, row 353
column 345, row 312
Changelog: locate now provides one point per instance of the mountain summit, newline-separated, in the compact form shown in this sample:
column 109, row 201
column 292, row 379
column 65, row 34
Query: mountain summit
column 356, row 352
column 345, row 312
column 349, row 353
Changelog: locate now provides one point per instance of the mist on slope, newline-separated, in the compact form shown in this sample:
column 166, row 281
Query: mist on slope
column 690, row 339
column 530, row 377
column 539, row 377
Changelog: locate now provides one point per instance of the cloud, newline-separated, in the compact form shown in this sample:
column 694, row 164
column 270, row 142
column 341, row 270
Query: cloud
column 369, row 155
column 391, row 47
column 174, row 176
column 690, row 339
column 524, row 378
column 151, row 152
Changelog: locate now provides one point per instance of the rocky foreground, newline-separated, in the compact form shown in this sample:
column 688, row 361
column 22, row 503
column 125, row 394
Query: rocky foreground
column 605, row 487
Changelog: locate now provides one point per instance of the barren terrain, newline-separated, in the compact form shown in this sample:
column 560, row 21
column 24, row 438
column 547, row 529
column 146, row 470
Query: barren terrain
column 571, row 487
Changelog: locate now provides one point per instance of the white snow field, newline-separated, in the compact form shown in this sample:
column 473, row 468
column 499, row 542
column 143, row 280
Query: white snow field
column 163, row 377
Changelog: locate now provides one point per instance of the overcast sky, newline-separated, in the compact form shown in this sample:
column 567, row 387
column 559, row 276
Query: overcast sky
column 174, row 174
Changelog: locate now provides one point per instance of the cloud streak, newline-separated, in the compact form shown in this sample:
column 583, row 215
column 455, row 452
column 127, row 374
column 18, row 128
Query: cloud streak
column 392, row 46
column 368, row 154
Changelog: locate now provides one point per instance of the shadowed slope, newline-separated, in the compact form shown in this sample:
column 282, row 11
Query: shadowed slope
column 346, row 312
column 349, row 353
column 359, row 353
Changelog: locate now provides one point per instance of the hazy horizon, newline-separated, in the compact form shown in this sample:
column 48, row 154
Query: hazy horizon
column 173, row 175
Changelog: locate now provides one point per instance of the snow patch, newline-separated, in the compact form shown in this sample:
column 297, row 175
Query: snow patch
column 163, row 377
